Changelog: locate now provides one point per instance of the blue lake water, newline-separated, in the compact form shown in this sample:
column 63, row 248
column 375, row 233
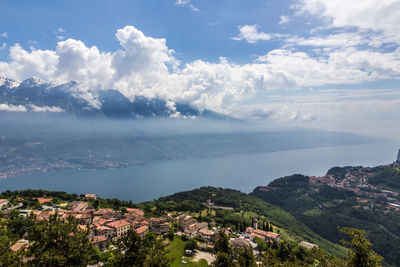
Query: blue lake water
column 243, row 172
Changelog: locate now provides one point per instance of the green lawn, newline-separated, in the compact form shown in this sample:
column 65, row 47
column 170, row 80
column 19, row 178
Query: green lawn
column 175, row 251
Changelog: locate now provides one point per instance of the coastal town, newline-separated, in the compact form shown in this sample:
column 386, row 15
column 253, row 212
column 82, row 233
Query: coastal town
column 355, row 179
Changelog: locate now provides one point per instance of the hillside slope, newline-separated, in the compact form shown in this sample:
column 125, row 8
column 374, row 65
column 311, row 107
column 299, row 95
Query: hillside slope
column 323, row 208
column 194, row 201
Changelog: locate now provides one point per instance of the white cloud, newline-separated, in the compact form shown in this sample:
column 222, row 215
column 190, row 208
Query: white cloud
column 35, row 108
column 382, row 15
column 338, row 67
column 60, row 33
column 3, row 46
column 183, row 3
column 12, row 108
column 337, row 40
column 145, row 66
column 4, row 35
column 284, row 19
column 251, row 35
column 277, row 112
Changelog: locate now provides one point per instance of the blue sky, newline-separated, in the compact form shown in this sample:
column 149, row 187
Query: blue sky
column 331, row 64
column 204, row 34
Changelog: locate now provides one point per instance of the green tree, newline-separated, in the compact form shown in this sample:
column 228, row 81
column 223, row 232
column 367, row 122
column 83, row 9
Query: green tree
column 133, row 251
column 58, row 242
column 261, row 244
column 133, row 248
column 191, row 244
column 96, row 204
column 16, row 223
column 222, row 244
column 224, row 260
column 245, row 257
column 7, row 256
column 360, row 252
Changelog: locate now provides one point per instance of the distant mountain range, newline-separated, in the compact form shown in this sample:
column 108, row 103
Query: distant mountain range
column 35, row 94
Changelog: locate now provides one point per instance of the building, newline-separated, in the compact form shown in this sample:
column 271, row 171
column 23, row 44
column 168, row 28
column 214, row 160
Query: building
column 136, row 211
column 77, row 205
column 158, row 225
column 43, row 200
column 20, row 244
column 239, row 243
column 3, row 202
column 90, row 196
column 206, row 234
column 120, row 226
column 84, row 218
column 142, row 231
column 100, row 241
column 106, row 231
column 307, row 245
column 266, row 235
column 192, row 229
column 184, row 221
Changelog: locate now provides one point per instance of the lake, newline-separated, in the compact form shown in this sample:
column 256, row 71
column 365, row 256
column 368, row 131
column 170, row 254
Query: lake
column 243, row 172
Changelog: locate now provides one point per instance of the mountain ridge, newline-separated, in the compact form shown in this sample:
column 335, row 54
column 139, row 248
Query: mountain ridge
column 111, row 103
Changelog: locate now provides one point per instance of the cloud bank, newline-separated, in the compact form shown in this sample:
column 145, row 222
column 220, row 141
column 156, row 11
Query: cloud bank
column 145, row 66
column 356, row 44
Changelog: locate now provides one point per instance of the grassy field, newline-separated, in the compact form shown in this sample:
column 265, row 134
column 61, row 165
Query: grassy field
column 175, row 251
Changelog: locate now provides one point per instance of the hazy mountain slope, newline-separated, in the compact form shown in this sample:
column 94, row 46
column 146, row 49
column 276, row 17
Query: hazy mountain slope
column 34, row 143
column 34, row 93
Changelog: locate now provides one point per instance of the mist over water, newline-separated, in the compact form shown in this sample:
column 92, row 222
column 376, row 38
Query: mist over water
column 242, row 172
column 147, row 158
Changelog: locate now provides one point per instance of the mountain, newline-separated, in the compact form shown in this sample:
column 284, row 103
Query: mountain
column 36, row 94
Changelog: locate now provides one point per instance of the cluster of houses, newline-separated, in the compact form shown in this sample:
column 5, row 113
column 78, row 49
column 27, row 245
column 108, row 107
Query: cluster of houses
column 356, row 180
column 105, row 224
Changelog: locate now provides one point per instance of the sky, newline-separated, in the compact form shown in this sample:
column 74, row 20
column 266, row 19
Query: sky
column 328, row 64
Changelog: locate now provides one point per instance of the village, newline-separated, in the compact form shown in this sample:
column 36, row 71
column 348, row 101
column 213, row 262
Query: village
column 106, row 225
column 368, row 195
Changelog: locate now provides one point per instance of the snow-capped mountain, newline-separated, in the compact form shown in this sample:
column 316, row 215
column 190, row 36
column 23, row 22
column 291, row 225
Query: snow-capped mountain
column 70, row 98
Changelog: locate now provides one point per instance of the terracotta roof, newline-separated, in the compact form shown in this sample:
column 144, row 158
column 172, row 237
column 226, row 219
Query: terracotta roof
column 262, row 233
column 102, row 228
column 157, row 220
column 90, row 196
column 133, row 210
column 99, row 238
column 83, row 216
column 206, row 232
column 43, row 200
column 3, row 200
column 253, row 235
column 19, row 244
column 82, row 227
column 142, row 229
column 118, row 224
column 272, row 235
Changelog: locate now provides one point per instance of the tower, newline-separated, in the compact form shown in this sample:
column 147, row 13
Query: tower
column 255, row 225
column 398, row 156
